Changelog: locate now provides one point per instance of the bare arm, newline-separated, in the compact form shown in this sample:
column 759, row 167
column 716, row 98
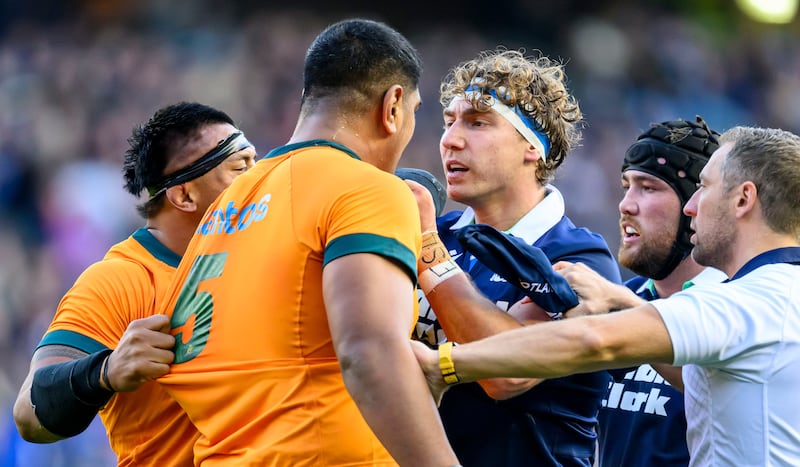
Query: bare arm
column 559, row 348
column 464, row 313
column 598, row 295
column 467, row 315
column 673, row 374
column 369, row 301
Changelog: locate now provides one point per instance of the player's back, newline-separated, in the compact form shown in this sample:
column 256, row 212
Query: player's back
column 145, row 427
column 255, row 364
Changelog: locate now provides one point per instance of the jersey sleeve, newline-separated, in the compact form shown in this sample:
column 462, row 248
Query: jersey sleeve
column 377, row 216
column 96, row 311
column 712, row 324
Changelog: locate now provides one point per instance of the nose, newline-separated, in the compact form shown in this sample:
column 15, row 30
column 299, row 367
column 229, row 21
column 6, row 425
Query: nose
column 452, row 138
column 628, row 205
column 690, row 209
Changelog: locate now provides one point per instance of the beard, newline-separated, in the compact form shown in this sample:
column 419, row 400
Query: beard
column 714, row 248
column 647, row 258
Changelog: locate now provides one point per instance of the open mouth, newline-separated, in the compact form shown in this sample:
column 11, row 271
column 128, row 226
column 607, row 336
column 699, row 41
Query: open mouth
column 629, row 232
column 455, row 167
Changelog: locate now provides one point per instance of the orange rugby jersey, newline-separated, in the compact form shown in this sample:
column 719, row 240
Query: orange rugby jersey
column 255, row 364
column 146, row 426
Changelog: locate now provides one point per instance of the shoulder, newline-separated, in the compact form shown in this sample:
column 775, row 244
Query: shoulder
column 569, row 238
column 565, row 242
column 114, row 270
column 444, row 225
column 446, row 221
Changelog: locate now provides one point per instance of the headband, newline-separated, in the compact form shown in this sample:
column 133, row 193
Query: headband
column 527, row 126
column 234, row 143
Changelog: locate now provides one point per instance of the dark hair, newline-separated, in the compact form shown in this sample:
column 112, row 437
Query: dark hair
column 355, row 61
column 152, row 143
column 674, row 151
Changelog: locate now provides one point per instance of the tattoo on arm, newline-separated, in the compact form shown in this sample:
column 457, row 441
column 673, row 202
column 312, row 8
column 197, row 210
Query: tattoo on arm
column 49, row 351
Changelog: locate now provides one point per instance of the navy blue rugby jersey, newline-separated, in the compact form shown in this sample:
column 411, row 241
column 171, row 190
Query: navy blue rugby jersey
column 554, row 423
column 642, row 421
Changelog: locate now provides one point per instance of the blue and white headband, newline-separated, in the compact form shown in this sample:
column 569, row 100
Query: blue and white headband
column 527, row 126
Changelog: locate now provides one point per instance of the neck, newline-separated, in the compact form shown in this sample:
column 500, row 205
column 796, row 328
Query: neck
column 753, row 244
column 505, row 211
column 348, row 132
column 686, row 270
column 173, row 229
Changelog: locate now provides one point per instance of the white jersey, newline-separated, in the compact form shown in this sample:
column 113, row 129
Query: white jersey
column 739, row 344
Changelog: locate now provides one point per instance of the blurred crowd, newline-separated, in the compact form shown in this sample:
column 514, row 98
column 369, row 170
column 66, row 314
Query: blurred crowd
column 71, row 90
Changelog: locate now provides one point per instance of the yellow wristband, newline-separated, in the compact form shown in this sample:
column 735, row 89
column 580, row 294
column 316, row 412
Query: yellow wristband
column 446, row 365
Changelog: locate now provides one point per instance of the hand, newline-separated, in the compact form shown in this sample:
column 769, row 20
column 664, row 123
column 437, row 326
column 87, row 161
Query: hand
column 597, row 295
column 427, row 210
column 527, row 311
column 428, row 360
column 143, row 354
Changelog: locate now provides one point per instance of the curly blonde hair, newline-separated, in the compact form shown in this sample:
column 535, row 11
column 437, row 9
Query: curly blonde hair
column 533, row 84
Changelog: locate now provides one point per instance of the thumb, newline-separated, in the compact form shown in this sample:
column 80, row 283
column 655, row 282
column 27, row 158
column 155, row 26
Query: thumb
column 160, row 323
column 561, row 265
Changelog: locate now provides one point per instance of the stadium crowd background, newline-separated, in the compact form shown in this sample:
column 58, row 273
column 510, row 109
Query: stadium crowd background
column 75, row 77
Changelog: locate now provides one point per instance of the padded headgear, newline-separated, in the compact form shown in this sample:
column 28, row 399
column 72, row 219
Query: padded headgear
column 674, row 151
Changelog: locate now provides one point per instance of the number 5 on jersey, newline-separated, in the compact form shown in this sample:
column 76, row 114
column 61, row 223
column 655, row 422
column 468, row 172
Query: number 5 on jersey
column 193, row 309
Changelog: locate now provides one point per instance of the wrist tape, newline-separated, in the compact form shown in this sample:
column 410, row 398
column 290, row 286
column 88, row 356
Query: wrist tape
column 66, row 396
column 435, row 264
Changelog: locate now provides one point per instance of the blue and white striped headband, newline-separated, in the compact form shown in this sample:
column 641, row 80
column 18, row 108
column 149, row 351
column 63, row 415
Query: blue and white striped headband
column 527, row 126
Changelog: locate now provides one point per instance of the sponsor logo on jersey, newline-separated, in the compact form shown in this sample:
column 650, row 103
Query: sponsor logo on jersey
column 233, row 219
column 649, row 402
column 496, row 278
column 537, row 287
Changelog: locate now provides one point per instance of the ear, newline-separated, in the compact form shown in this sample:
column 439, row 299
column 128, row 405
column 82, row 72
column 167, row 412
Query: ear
column 392, row 109
column 181, row 197
column 746, row 199
column 532, row 154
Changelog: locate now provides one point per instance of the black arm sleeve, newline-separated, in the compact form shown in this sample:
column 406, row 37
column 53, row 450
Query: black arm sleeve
column 66, row 396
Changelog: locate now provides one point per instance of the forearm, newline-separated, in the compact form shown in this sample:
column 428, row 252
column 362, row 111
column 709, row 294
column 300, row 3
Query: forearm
column 25, row 418
column 570, row 346
column 673, row 374
column 542, row 351
column 62, row 398
column 623, row 298
column 386, row 382
column 464, row 313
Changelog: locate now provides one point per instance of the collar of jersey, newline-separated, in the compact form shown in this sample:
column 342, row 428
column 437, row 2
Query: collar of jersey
column 789, row 255
column 280, row 150
column 543, row 217
column 156, row 248
column 708, row 275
